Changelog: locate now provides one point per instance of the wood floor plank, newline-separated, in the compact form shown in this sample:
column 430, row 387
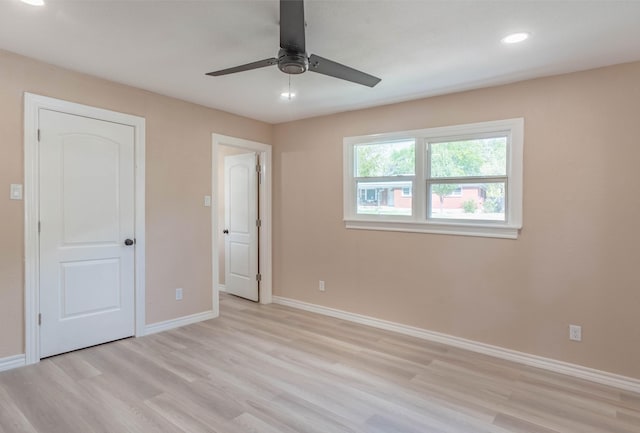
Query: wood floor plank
column 273, row 369
column 122, row 411
column 11, row 417
column 631, row 417
column 48, row 407
column 185, row 416
column 516, row 425
column 251, row 423
column 570, row 416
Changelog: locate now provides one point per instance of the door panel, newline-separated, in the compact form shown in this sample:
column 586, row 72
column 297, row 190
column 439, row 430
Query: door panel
column 86, row 213
column 93, row 161
column 105, row 294
column 241, row 213
column 239, row 253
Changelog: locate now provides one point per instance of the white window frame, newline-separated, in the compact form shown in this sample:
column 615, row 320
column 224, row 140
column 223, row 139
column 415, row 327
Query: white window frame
column 513, row 129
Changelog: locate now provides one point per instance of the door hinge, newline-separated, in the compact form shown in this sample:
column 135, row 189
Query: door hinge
column 258, row 168
column 258, row 277
column 38, row 134
column 39, row 226
column 258, row 223
column 39, row 319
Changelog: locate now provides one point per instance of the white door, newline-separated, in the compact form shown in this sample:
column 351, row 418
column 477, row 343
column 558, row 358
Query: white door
column 86, row 215
column 241, row 229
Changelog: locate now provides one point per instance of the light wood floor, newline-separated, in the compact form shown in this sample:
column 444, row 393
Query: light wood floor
column 268, row 369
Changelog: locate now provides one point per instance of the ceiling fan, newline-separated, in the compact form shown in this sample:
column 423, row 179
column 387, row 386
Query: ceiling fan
column 292, row 57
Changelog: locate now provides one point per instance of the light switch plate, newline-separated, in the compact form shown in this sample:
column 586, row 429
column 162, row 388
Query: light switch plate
column 207, row 200
column 16, row 191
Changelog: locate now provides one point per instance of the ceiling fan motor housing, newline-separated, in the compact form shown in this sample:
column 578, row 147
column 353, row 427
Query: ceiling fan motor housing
column 291, row 62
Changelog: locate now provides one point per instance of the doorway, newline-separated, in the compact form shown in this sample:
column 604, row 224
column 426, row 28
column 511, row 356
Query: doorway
column 230, row 149
column 84, row 231
column 239, row 269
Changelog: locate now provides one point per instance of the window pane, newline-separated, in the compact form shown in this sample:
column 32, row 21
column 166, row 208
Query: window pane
column 470, row 201
column 383, row 198
column 396, row 158
column 477, row 157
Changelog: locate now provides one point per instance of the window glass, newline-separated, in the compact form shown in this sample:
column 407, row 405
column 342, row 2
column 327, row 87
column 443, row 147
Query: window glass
column 457, row 192
column 385, row 159
column 476, row 201
column 383, row 198
column 475, row 157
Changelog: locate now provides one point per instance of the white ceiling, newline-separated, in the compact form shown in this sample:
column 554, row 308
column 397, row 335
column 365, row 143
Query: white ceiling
column 418, row 48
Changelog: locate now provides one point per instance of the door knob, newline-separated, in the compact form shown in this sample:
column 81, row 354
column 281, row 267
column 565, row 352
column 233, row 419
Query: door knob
column 225, row 231
column 128, row 242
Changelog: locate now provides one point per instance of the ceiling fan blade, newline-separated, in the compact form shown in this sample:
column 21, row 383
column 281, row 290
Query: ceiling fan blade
column 247, row 67
column 328, row 67
column 292, row 25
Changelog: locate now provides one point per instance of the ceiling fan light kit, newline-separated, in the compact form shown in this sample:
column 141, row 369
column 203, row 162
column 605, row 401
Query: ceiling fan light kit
column 515, row 38
column 292, row 57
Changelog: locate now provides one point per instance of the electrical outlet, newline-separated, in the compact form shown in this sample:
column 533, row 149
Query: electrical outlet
column 575, row 332
column 207, row 200
column 321, row 286
column 178, row 294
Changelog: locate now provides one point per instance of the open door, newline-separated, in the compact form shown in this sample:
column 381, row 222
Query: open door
column 241, row 225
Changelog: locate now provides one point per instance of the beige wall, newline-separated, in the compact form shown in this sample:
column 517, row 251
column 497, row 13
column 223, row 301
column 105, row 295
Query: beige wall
column 178, row 164
column 574, row 262
column 223, row 151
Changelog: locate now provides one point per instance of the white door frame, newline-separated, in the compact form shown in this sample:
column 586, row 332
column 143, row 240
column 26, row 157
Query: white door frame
column 264, row 194
column 32, row 105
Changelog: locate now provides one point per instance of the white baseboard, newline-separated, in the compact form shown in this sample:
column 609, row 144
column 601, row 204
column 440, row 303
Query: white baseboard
column 180, row 321
column 591, row 374
column 12, row 362
column 222, row 288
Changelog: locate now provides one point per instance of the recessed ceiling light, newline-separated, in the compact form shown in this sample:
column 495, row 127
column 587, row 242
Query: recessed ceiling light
column 287, row 95
column 33, row 2
column 514, row 38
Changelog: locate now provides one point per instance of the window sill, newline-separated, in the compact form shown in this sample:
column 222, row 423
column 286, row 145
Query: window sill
column 450, row 228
